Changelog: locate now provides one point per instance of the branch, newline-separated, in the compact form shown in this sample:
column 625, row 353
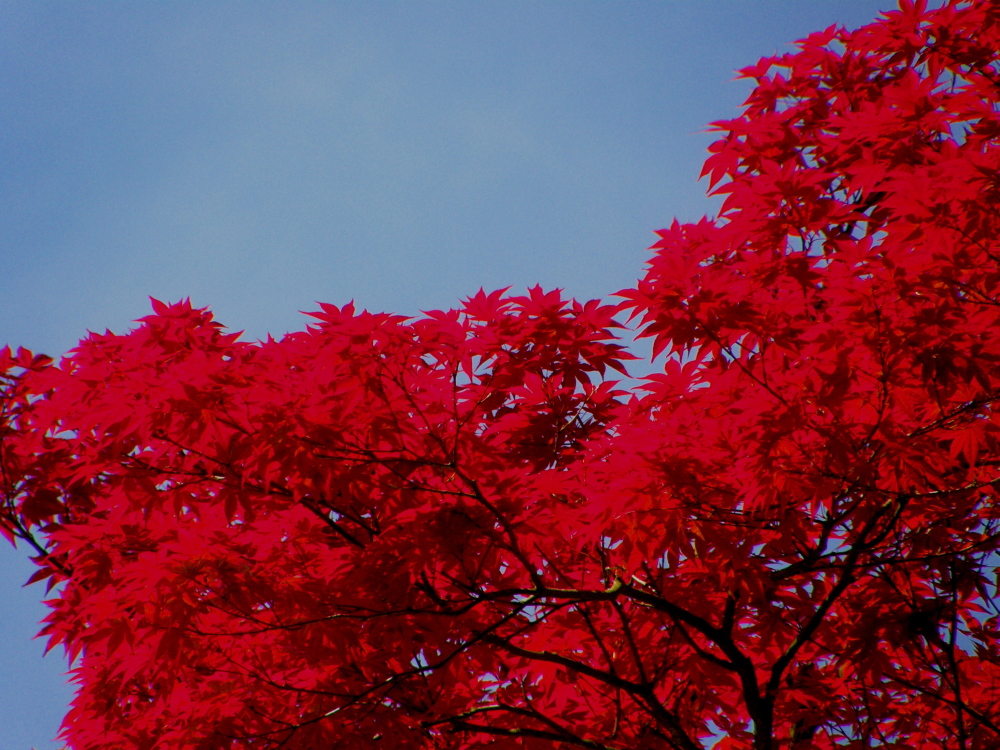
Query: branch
column 608, row 678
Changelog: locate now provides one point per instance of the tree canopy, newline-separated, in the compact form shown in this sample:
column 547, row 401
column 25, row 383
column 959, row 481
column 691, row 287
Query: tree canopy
column 466, row 530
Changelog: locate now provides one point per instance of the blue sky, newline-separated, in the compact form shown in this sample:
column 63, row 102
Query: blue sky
column 260, row 158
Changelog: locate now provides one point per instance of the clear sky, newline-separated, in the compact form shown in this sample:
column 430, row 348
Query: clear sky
column 261, row 157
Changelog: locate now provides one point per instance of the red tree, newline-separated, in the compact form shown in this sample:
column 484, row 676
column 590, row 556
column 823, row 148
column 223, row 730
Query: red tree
column 454, row 532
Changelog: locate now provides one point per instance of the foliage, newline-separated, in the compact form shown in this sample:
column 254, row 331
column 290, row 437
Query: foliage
column 459, row 531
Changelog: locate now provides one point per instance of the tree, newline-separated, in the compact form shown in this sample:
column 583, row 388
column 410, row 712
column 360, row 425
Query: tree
column 460, row 531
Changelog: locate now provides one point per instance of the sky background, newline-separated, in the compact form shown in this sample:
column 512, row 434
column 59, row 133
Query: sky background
column 260, row 158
